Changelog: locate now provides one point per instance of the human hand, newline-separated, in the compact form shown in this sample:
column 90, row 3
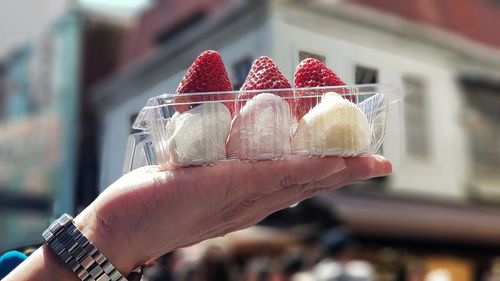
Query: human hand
column 149, row 212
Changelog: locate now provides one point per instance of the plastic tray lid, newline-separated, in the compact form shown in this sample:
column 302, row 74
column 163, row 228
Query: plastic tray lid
column 379, row 96
column 153, row 109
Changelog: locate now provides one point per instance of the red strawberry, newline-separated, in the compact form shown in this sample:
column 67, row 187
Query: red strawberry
column 313, row 73
column 264, row 75
column 206, row 74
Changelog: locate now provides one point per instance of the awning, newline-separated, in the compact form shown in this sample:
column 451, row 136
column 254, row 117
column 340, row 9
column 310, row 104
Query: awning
column 417, row 218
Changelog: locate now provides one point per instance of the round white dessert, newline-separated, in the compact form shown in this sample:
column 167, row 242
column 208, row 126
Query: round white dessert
column 198, row 136
column 261, row 130
column 335, row 126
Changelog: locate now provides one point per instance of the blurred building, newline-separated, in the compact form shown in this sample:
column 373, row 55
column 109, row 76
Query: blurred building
column 36, row 154
column 153, row 28
column 444, row 137
column 36, row 17
column 62, row 137
column 47, row 141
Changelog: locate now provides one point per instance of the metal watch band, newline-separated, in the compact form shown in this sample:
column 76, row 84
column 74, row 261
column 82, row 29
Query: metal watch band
column 82, row 257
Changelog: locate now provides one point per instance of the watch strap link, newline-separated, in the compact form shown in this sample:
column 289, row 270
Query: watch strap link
column 76, row 251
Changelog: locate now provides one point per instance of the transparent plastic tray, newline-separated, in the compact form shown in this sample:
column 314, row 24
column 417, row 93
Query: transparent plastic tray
column 342, row 121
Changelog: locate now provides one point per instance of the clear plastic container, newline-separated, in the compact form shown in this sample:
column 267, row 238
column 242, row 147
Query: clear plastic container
column 259, row 125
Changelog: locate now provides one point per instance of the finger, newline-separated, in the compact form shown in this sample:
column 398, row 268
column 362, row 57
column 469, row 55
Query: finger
column 251, row 180
column 253, row 210
column 269, row 176
column 267, row 205
column 248, row 214
column 363, row 168
column 358, row 169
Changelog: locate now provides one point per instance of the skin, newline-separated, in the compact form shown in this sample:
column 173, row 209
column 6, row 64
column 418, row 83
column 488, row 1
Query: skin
column 149, row 212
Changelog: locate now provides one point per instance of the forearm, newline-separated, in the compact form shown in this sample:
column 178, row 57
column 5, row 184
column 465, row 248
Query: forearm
column 42, row 265
column 109, row 224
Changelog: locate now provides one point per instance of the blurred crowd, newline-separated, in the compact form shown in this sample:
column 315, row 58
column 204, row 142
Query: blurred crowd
column 319, row 248
column 309, row 242
column 336, row 258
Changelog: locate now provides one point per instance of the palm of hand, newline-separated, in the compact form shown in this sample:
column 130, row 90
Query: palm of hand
column 153, row 212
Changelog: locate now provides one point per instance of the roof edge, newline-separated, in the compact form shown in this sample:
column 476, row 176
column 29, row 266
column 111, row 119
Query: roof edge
column 178, row 53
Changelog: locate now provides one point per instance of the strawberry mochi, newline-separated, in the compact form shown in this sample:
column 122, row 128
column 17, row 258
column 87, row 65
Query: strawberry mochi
column 206, row 74
column 261, row 127
column 196, row 134
column 312, row 73
column 333, row 126
column 264, row 75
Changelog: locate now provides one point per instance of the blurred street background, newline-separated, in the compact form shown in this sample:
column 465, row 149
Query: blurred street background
column 75, row 73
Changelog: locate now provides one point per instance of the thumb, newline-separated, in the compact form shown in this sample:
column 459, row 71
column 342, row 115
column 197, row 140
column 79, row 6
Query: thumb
column 273, row 175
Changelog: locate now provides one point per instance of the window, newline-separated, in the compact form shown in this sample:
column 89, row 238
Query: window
column 304, row 55
column 415, row 117
column 484, row 136
column 366, row 75
column 481, row 121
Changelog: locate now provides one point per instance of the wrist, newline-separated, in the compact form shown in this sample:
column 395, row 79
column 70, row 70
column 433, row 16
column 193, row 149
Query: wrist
column 55, row 265
column 108, row 240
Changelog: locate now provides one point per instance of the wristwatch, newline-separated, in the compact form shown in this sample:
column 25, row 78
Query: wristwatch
column 78, row 253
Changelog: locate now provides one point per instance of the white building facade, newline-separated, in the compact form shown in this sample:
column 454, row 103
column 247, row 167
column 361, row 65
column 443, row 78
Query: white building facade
column 426, row 137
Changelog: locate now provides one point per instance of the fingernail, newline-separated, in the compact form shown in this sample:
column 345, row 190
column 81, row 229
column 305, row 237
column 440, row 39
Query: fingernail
column 386, row 164
column 380, row 157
